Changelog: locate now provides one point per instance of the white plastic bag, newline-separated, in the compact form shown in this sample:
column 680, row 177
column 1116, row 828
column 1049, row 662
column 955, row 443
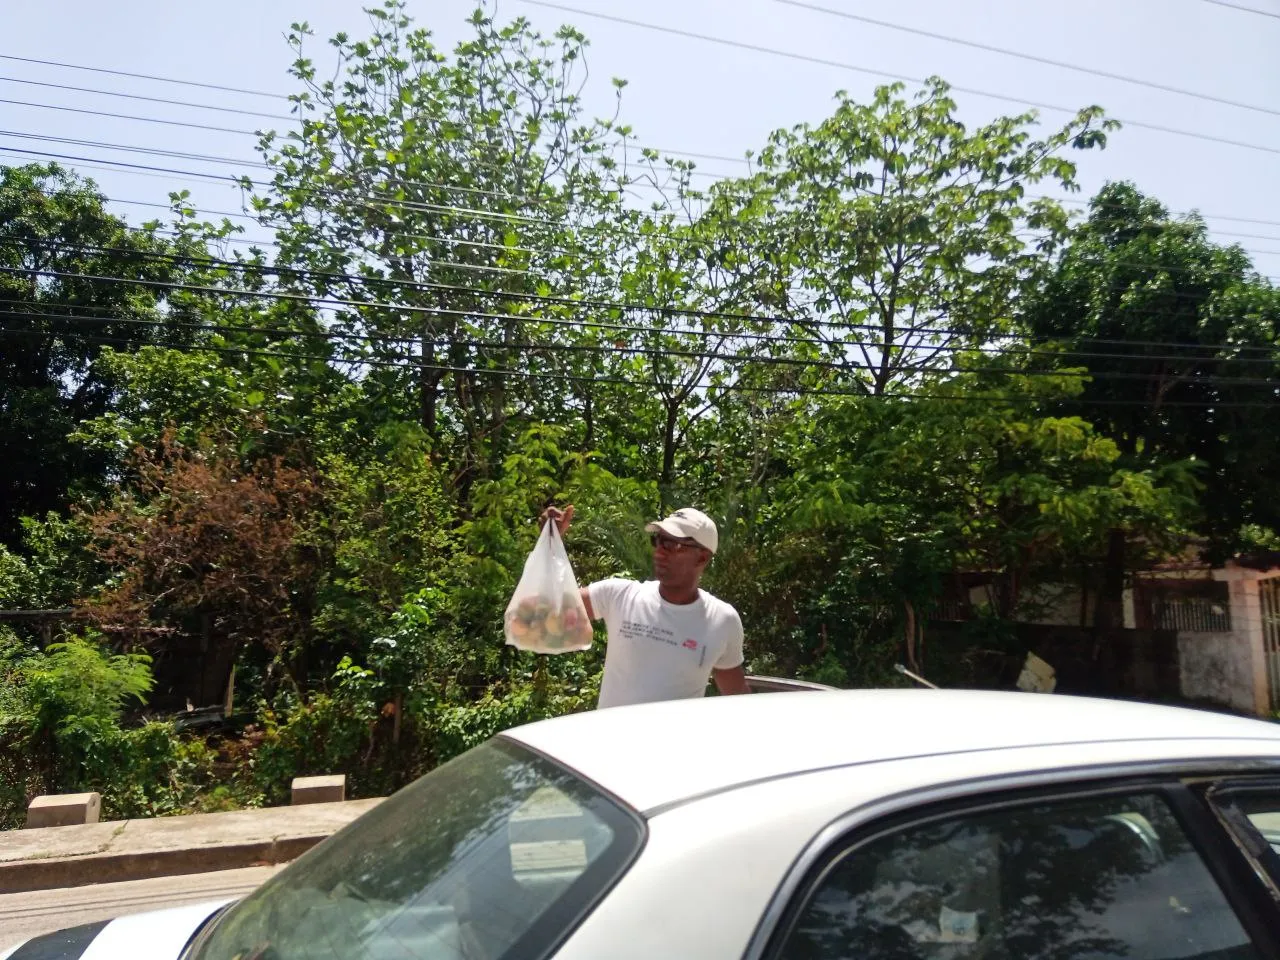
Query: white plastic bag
column 546, row 614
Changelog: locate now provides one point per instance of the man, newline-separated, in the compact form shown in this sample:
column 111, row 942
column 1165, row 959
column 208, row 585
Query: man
column 667, row 636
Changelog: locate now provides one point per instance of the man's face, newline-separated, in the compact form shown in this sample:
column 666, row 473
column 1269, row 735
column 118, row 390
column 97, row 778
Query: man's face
column 676, row 560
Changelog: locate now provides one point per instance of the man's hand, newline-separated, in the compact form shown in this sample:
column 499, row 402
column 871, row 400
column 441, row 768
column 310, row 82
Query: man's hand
column 562, row 517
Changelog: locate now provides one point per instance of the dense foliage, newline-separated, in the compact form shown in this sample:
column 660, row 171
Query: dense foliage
column 304, row 484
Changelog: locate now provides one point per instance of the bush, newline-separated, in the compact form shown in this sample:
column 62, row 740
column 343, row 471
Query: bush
column 146, row 771
column 61, row 732
column 456, row 729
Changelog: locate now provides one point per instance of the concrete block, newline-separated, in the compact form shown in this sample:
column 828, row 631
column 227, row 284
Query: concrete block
column 330, row 789
column 64, row 809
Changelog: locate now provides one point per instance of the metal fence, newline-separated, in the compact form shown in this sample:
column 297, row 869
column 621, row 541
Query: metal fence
column 1191, row 614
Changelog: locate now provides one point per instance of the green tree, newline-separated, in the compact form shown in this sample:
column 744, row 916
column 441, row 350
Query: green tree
column 56, row 321
column 447, row 184
column 897, row 495
column 891, row 234
column 1179, row 337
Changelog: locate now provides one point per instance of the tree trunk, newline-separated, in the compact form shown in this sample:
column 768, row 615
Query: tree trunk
column 428, row 383
column 668, row 477
column 910, row 632
column 1109, row 615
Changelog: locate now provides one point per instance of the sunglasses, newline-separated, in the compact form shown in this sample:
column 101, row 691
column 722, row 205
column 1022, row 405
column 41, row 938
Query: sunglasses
column 671, row 544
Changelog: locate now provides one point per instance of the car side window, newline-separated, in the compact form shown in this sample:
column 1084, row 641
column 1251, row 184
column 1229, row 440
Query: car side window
column 1074, row 879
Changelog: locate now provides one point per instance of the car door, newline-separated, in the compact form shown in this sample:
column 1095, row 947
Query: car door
column 1139, row 870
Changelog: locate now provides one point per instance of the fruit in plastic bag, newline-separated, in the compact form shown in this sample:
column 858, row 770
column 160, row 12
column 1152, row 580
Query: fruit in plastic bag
column 546, row 614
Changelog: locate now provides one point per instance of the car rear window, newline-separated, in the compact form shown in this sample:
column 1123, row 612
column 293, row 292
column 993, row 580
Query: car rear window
column 496, row 854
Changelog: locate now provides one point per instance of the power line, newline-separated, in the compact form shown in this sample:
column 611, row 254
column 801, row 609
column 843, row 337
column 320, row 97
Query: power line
column 412, row 365
column 498, row 246
column 188, row 124
column 187, row 104
column 572, row 251
column 238, row 110
column 251, row 217
column 559, row 322
column 990, row 350
column 1241, row 7
column 1033, row 58
column 509, row 296
column 198, row 126
column 234, row 180
column 527, row 345
column 239, row 180
column 823, row 61
column 208, row 158
column 614, row 348
column 422, row 206
column 569, row 251
column 426, row 184
column 130, row 148
column 140, row 76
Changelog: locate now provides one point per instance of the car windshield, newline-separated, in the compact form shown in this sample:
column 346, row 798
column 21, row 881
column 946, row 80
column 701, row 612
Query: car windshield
column 496, row 854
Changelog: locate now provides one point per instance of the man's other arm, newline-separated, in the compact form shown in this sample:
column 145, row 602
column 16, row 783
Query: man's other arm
column 730, row 681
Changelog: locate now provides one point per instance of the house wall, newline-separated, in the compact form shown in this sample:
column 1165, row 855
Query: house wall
column 1216, row 668
column 1229, row 669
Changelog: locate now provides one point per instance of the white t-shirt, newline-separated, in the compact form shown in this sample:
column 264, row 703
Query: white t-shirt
column 659, row 650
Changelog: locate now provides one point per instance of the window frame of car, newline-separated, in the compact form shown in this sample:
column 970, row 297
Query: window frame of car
column 1224, row 797
column 1182, row 786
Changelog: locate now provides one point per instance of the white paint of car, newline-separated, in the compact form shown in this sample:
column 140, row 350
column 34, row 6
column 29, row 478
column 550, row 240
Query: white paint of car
column 734, row 792
column 653, row 755
column 711, row 866
column 154, row 935
column 159, row 935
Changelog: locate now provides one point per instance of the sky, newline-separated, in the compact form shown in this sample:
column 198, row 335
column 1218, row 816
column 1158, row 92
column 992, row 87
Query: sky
column 695, row 95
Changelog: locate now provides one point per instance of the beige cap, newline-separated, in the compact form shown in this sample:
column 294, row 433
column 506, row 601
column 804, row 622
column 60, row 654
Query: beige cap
column 689, row 524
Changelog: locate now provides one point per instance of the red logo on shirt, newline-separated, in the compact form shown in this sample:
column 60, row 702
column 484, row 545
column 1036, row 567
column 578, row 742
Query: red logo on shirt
column 690, row 644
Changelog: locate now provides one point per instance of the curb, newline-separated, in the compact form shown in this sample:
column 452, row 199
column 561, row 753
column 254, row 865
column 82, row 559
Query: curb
column 24, row 876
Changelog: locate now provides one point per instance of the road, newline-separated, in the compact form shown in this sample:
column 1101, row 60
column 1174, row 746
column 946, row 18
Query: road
column 24, row 915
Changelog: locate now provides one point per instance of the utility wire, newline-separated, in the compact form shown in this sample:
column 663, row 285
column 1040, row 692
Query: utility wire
column 187, row 124
column 377, row 201
column 618, row 349
column 823, row 61
column 186, row 104
column 254, row 219
column 412, row 365
column 519, row 198
column 527, row 298
column 551, row 250
column 179, row 123
column 1032, row 58
column 425, row 184
column 140, row 76
column 990, row 349
column 1155, row 267
column 1244, row 9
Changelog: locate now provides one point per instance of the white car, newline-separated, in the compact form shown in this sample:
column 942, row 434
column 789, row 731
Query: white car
column 939, row 825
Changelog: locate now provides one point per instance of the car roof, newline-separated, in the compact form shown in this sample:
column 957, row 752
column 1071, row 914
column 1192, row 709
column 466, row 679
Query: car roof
column 654, row 755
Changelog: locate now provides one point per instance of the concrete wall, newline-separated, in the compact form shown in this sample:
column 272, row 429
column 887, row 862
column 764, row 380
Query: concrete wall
column 1248, row 654
column 1058, row 605
column 1231, row 668
column 1227, row 669
column 1215, row 668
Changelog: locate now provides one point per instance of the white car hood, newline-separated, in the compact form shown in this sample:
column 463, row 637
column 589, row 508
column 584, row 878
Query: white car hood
column 158, row 935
